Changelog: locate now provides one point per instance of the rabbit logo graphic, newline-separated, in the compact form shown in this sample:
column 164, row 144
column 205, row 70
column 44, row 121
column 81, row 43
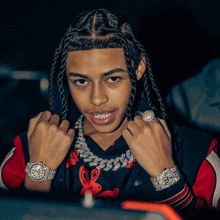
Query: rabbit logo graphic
column 92, row 185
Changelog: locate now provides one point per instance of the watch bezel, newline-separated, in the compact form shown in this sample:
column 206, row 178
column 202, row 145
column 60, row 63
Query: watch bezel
column 48, row 174
column 42, row 170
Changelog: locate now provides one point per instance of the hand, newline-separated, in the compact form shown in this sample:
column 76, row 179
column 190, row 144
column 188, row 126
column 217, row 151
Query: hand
column 150, row 142
column 48, row 141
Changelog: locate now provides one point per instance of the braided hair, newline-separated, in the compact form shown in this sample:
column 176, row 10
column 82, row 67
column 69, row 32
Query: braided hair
column 98, row 29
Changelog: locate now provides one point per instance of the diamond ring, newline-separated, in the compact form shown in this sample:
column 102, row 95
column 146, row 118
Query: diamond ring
column 148, row 116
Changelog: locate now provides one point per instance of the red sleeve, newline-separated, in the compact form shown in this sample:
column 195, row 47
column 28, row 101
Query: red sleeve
column 12, row 169
column 207, row 184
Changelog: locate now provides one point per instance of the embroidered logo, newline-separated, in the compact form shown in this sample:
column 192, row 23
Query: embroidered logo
column 92, row 185
column 72, row 159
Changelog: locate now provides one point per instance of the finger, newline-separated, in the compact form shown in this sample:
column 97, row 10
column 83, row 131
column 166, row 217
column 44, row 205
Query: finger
column 45, row 117
column 127, row 135
column 71, row 133
column 164, row 124
column 64, row 126
column 32, row 124
column 55, row 120
column 133, row 128
column 141, row 123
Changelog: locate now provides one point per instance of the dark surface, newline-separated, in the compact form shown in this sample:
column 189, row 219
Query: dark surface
column 21, row 204
column 20, row 100
column 180, row 36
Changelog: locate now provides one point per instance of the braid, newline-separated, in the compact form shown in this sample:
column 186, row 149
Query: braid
column 66, row 42
column 53, row 66
column 101, row 29
column 130, row 70
column 151, row 77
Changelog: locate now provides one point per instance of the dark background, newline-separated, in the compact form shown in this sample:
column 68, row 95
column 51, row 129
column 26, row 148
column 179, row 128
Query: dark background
column 180, row 37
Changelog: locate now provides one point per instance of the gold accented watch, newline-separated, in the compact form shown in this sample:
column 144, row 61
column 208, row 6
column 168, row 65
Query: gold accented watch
column 167, row 178
column 38, row 172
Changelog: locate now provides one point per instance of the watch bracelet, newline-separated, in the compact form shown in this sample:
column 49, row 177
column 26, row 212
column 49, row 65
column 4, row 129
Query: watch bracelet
column 167, row 178
column 49, row 173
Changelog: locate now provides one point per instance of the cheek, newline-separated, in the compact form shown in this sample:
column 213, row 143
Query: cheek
column 77, row 97
column 124, row 95
column 80, row 102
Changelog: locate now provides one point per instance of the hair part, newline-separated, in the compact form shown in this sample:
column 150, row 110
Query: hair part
column 99, row 29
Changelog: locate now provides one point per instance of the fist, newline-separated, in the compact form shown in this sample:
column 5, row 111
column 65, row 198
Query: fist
column 150, row 142
column 48, row 141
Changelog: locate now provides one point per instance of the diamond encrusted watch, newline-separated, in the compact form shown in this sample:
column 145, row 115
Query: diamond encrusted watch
column 167, row 178
column 38, row 172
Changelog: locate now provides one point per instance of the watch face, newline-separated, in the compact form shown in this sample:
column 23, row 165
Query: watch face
column 37, row 171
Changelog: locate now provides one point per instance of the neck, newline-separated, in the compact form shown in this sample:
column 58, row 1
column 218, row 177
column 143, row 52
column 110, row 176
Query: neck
column 104, row 139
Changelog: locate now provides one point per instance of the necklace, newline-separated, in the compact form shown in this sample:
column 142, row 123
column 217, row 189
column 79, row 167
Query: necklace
column 93, row 160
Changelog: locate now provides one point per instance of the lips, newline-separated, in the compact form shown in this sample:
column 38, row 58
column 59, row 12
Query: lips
column 102, row 118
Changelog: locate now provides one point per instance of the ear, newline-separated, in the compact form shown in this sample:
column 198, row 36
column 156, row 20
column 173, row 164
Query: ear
column 141, row 68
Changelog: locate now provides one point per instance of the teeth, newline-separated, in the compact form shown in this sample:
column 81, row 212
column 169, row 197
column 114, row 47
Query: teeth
column 102, row 116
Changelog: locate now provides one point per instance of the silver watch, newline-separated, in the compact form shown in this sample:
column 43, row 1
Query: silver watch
column 37, row 171
column 167, row 178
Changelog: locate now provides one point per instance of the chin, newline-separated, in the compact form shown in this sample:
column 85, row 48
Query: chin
column 105, row 129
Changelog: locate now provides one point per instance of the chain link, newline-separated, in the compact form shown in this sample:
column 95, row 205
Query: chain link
column 93, row 160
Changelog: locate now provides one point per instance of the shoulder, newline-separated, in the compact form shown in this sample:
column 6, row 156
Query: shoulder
column 191, row 148
column 12, row 168
column 193, row 136
column 21, row 142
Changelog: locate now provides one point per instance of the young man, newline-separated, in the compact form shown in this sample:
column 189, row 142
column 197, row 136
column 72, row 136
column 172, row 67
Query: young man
column 119, row 147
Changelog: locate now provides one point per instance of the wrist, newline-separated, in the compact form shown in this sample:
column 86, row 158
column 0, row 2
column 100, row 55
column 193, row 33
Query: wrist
column 38, row 172
column 167, row 178
column 32, row 185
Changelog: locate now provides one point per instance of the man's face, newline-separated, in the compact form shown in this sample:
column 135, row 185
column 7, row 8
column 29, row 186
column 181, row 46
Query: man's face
column 100, row 86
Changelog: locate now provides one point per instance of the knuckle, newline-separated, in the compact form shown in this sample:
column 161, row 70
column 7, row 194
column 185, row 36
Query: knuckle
column 157, row 126
column 46, row 114
column 53, row 127
column 28, row 134
column 130, row 124
column 65, row 123
column 60, row 133
column 56, row 117
column 42, row 124
column 136, row 118
column 146, row 129
column 71, row 132
column 67, row 140
column 32, row 120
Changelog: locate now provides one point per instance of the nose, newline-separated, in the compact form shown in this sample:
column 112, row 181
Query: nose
column 98, row 95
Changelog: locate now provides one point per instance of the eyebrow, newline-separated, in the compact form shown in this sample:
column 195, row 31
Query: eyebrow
column 103, row 75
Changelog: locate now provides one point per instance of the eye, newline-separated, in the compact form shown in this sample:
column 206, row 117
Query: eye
column 114, row 79
column 80, row 82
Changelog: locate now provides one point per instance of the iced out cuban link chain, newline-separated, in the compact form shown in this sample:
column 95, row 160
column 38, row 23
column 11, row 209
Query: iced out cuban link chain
column 93, row 160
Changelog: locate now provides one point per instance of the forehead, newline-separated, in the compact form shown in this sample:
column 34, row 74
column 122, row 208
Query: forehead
column 100, row 60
